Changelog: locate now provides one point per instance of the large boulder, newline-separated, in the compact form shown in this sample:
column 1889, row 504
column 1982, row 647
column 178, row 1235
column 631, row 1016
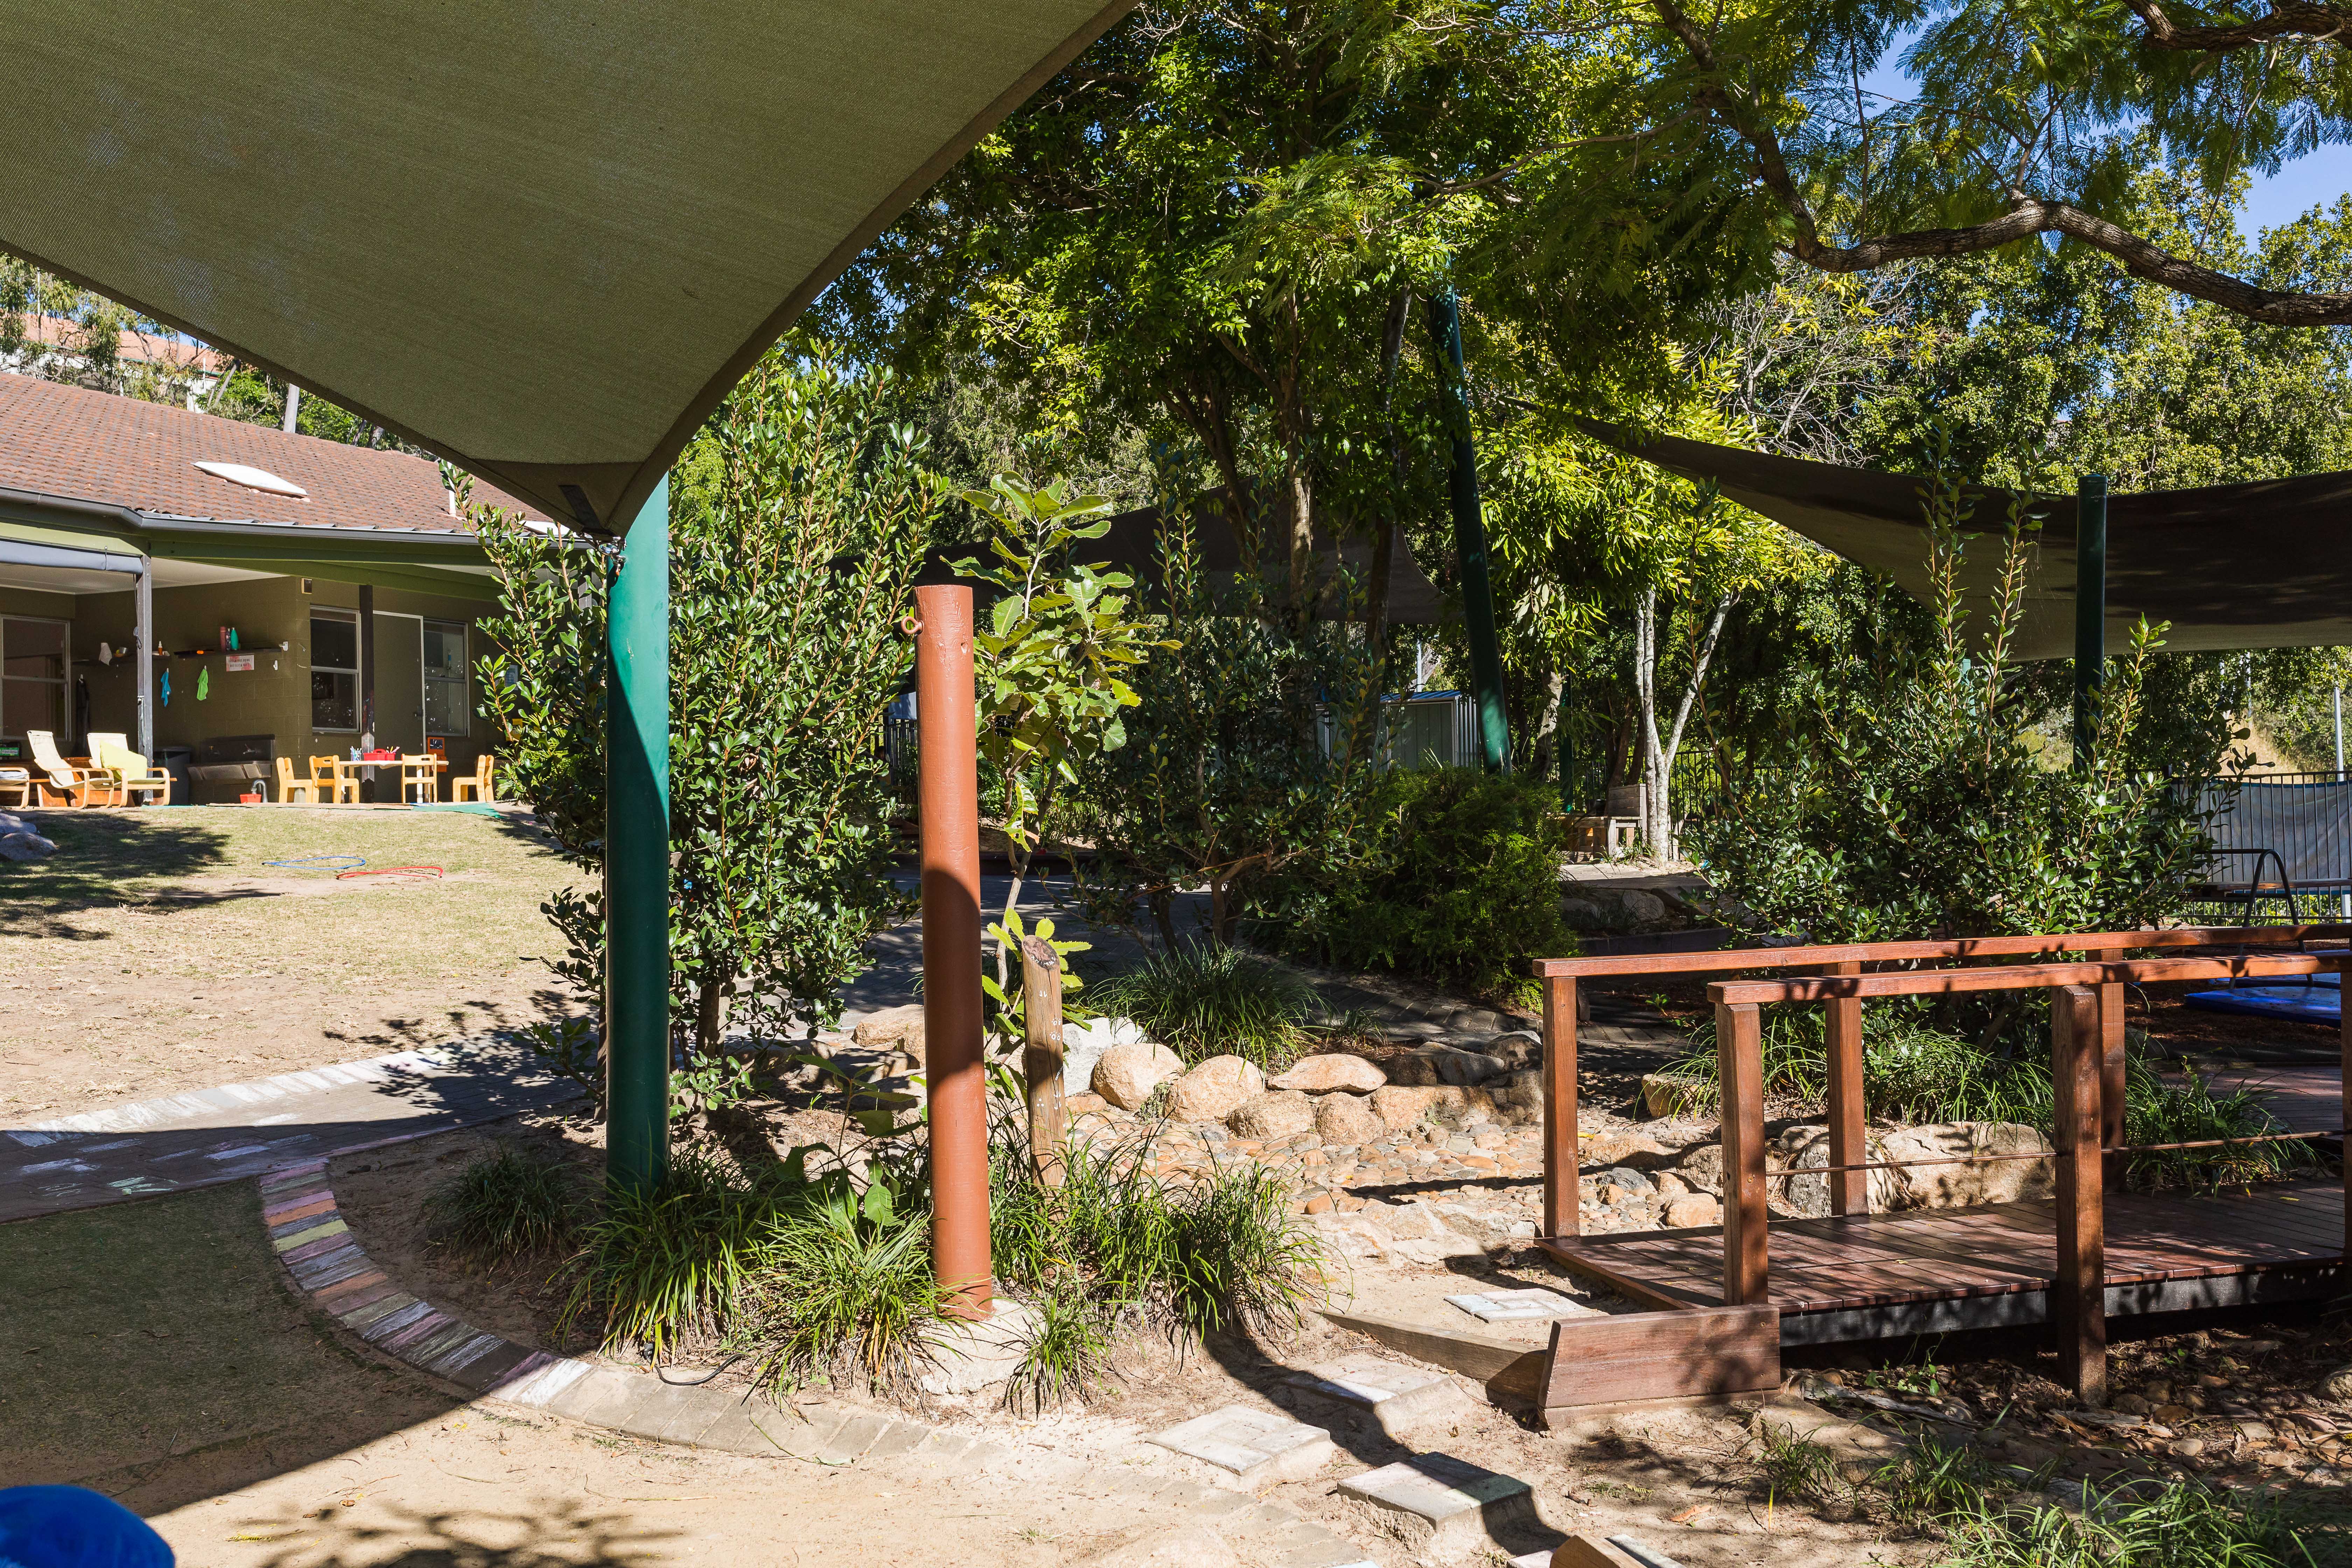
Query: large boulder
column 1212, row 1091
column 1404, row 1106
column 1517, row 1100
column 1667, row 1094
column 1348, row 1118
column 1519, row 1050
column 899, row 1027
column 1125, row 1075
column 1435, row 1065
column 1941, row 1187
column 1332, row 1072
column 1276, row 1113
column 1637, row 1149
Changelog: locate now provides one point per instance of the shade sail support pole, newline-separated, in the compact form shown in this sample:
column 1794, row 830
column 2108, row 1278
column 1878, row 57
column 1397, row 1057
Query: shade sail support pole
column 636, row 855
column 142, row 600
column 2090, row 609
column 1470, row 534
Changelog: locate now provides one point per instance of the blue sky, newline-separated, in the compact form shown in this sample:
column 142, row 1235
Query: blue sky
column 2321, row 176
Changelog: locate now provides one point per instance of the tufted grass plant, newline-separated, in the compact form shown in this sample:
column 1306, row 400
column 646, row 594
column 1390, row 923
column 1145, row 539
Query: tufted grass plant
column 1203, row 999
column 510, row 1203
column 2147, row 1525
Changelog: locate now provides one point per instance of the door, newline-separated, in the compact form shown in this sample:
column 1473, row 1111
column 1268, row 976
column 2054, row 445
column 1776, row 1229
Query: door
column 400, row 682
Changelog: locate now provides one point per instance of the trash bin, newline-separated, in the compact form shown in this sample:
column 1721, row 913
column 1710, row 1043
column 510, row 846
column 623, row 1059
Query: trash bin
column 175, row 760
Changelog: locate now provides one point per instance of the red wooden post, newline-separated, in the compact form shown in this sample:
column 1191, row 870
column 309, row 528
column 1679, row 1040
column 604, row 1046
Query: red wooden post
column 1849, row 1130
column 1739, row 1061
column 2078, row 1303
column 955, row 1081
column 1561, row 1176
column 2111, row 1076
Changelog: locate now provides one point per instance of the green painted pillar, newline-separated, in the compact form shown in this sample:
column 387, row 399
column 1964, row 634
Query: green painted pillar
column 1470, row 535
column 2090, row 608
column 636, row 855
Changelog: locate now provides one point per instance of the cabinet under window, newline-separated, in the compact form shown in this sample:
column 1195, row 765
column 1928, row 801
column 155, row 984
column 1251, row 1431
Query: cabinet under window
column 334, row 671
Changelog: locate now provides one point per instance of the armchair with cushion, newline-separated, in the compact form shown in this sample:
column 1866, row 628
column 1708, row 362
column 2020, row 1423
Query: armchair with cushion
column 132, row 775
column 66, row 781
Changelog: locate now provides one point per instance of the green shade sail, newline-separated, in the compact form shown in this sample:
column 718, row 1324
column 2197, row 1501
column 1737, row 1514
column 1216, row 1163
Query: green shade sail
column 541, row 240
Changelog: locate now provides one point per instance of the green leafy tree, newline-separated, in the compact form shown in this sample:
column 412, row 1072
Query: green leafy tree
column 797, row 525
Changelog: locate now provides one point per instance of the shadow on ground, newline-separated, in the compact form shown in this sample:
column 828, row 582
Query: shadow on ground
column 154, row 1351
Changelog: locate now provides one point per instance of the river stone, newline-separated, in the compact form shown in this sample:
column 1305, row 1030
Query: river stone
column 1330, row 1072
column 1637, row 1149
column 1670, row 1094
column 1211, row 1091
column 1348, row 1118
column 1126, row 1075
column 1698, row 1209
column 1276, row 1113
column 2338, row 1385
column 1702, row 1167
column 1434, row 1065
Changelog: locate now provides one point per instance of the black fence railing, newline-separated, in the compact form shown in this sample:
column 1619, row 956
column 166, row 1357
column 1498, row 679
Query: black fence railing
column 2282, row 847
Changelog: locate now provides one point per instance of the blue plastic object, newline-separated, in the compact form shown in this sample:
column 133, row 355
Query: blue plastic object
column 71, row 1527
column 2320, row 1002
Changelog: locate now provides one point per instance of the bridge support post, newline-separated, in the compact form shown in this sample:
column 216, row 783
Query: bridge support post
column 1849, row 1130
column 1563, row 1182
column 1739, row 1056
column 2078, row 1301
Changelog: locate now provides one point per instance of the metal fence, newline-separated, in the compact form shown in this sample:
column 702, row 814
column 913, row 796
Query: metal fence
column 2284, row 840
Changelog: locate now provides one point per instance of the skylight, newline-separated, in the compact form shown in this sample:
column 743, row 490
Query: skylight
column 254, row 479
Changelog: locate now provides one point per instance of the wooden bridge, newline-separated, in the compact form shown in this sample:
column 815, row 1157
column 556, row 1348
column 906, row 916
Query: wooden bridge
column 1725, row 1300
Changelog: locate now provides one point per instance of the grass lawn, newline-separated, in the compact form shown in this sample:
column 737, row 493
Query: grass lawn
column 160, row 951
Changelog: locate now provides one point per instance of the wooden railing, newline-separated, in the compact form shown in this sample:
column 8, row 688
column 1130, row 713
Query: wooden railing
column 2087, row 1039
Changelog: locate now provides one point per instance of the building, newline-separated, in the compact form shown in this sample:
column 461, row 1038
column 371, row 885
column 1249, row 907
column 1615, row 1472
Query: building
column 141, row 537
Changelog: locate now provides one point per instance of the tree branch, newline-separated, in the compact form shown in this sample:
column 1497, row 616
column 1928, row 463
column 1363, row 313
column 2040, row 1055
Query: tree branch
column 2317, row 23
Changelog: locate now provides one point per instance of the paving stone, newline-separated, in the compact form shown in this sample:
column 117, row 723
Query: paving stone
column 903, row 1438
column 599, row 1398
column 736, row 1431
column 699, row 1410
column 654, row 1407
column 850, row 1441
column 539, row 1379
column 1446, row 1505
column 1520, row 1306
column 969, row 1356
column 1257, row 1447
column 1400, row 1399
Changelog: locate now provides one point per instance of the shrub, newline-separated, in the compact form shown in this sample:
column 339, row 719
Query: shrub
column 845, row 1289
column 508, row 1203
column 654, row 1268
column 1205, row 998
column 2176, row 1526
column 1454, row 875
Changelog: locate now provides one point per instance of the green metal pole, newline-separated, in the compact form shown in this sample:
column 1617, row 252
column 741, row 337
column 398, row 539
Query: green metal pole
column 1470, row 535
column 636, row 856
column 2090, row 608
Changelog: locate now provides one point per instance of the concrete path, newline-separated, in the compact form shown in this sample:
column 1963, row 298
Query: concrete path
column 241, row 1130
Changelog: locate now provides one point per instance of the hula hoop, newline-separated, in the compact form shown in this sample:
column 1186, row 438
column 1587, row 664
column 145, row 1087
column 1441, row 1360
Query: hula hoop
column 319, row 862
column 404, row 873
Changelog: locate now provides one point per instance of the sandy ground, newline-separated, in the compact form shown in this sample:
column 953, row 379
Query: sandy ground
column 158, row 952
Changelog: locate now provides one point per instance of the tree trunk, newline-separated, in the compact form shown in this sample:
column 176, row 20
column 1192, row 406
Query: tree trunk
column 709, row 1015
column 1658, row 817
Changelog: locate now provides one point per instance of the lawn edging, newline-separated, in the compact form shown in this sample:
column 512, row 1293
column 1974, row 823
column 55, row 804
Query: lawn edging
column 334, row 1273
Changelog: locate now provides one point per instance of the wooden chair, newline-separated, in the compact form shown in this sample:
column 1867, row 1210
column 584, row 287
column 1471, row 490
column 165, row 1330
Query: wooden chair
column 476, row 787
column 328, row 784
column 20, row 783
column 421, row 772
column 66, row 781
column 289, row 786
column 133, row 776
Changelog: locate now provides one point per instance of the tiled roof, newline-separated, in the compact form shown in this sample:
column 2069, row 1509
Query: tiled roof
column 93, row 446
column 132, row 347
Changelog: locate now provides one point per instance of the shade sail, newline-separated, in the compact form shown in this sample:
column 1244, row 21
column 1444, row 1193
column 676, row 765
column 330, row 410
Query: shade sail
column 2262, row 565
column 540, row 240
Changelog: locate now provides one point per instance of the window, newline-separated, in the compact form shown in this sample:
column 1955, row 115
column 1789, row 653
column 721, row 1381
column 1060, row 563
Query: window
column 32, row 677
column 334, row 669
column 445, row 708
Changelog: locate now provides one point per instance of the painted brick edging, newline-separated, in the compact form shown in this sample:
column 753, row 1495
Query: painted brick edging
column 327, row 1264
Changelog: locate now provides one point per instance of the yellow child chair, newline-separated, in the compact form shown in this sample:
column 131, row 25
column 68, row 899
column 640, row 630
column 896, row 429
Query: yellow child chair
column 421, row 772
column 133, row 775
column 328, row 785
column 477, row 787
column 289, row 786
column 64, row 780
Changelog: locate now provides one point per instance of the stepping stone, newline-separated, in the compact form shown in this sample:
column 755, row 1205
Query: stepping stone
column 1444, row 1504
column 1583, row 1551
column 1399, row 1398
column 1257, row 1447
column 1520, row 1306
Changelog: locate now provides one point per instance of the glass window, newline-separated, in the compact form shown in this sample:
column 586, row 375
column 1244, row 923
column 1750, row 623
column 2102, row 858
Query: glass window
column 32, row 677
column 446, row 709
column 334, row 671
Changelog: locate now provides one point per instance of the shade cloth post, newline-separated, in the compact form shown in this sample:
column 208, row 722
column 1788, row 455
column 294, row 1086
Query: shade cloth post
column 143, row 616
column 1470, row 534
column 2090, row 608
column 636, row 856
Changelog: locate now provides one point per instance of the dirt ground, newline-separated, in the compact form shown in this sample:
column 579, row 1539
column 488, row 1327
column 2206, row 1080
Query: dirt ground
column 158, row 951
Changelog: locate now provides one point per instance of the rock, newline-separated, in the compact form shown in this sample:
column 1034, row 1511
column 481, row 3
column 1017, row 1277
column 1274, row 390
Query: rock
column 1963, row 1186
column 2173, row 1415
column 1435, row 1065
column 1642, row 908
column 1126, row 1075
column 1276, row 1113
column 1702, row 1167
column 893, row 1026
column 1332, row 1072
column 1582, row 914
column 1079, row 1104
column 1517, row 1050
column 1348, row 1118
column 2187, row 1448
column 1517, row 1102
column 20, row 840
column 2130, row 1404
column 1211, row 1091
column 1638, row 1150
column 1193, row 1546
column 2338, row 1384
column 1402, row 1108
column 1631, row 1181
column 1665, row 1094
column 1685, row 1214
column 1671, row 1186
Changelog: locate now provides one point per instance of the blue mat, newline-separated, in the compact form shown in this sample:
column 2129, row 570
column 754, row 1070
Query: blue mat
column 2321, row 1002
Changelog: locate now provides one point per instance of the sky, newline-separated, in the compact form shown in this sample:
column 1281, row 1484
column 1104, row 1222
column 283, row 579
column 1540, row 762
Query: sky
column 2306, row 183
